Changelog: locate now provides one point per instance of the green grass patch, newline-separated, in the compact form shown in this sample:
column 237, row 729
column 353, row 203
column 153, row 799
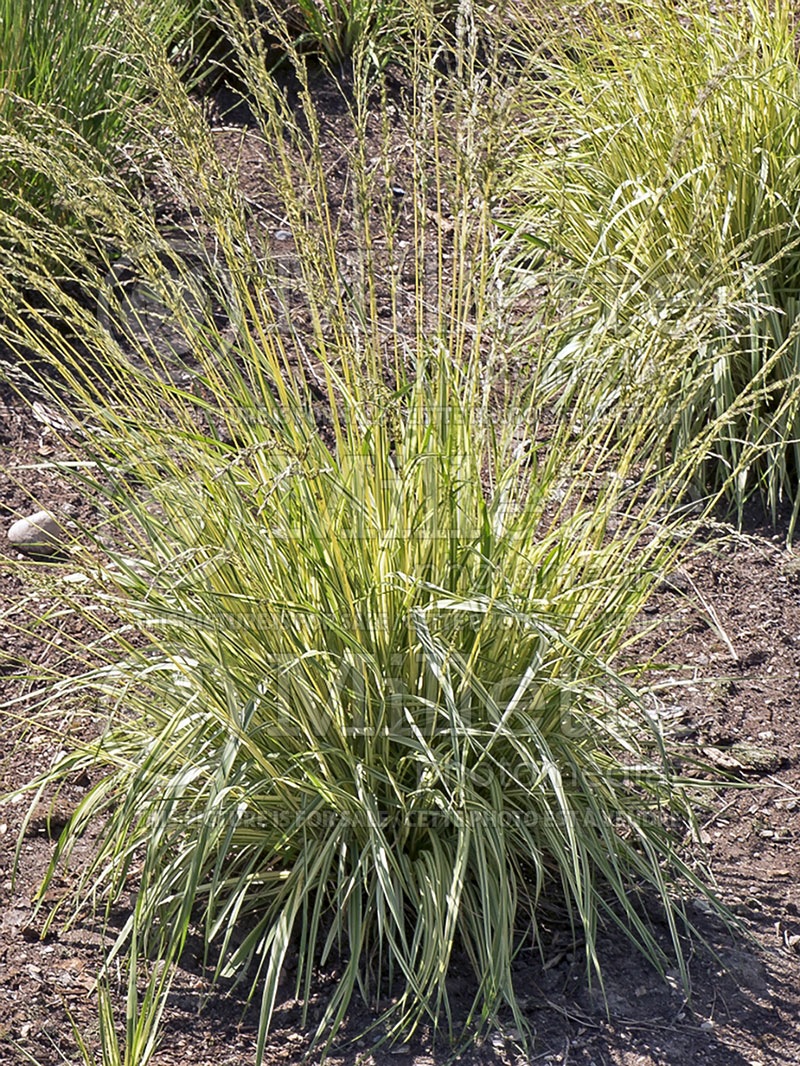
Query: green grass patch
column 661, row 210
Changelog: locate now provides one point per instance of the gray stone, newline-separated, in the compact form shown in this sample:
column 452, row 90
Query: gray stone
column 39, row 534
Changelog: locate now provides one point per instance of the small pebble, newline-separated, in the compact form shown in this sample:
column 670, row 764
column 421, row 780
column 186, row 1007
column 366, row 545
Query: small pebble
column 39, row 534
column 283, row 234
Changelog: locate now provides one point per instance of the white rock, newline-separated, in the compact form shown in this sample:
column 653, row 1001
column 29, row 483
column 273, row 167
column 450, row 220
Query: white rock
column 39, row 533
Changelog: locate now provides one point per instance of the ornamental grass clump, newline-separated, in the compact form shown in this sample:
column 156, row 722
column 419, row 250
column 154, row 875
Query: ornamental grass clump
column 358, row 613
column 68, row 64
column 662, row 213
column 334, row 29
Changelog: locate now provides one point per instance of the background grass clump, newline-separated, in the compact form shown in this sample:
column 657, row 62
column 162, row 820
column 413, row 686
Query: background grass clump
column 360, row 606
column 69, row 67
column 335, row 28
column 664, row 217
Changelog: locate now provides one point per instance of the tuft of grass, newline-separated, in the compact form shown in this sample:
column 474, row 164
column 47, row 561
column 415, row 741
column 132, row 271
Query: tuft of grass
column 71, row 56
column 358, row 607
column 142, row 1018
column 335, row 28
column 661, row 211
column 69, row 63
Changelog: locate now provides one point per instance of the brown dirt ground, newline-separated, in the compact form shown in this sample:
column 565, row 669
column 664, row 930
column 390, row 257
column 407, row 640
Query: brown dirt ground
column 732, row 619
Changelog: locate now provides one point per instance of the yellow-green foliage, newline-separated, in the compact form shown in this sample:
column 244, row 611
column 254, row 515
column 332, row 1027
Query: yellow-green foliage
column 357, row 624
column 663, row 212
